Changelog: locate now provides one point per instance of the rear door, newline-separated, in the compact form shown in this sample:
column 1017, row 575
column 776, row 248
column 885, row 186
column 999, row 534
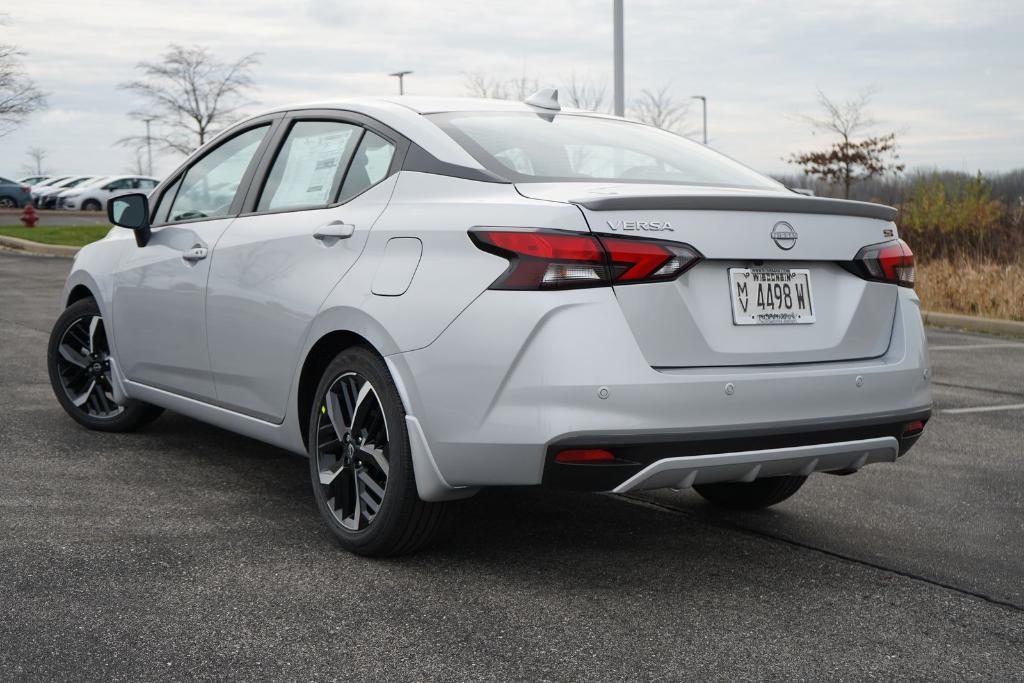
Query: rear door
column 724, row 311
column 307, row 217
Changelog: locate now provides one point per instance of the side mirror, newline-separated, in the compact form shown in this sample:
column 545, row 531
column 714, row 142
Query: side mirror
column 131, row 211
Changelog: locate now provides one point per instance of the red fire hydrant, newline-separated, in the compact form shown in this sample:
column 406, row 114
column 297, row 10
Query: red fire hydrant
column 29, row 216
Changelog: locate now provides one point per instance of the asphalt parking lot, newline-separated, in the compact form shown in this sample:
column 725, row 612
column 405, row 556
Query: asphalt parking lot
column 186, row 551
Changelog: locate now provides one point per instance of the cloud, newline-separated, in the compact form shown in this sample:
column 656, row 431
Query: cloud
column 947, row 69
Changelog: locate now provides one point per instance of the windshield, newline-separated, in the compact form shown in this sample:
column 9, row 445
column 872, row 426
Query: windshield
column 525, row 147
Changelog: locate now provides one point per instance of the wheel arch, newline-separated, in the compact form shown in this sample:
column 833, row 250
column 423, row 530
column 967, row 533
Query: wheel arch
column 77, row 293
column 319, row 356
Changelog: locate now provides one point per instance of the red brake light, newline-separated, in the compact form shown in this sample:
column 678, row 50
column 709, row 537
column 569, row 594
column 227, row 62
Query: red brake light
column 584, row 456
column 550, row 259
column 891, row 262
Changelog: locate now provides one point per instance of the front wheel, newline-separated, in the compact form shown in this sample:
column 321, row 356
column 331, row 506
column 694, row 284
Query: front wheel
column 91, row 205
column 360, row 460
column 78, row 360
column 760, row 493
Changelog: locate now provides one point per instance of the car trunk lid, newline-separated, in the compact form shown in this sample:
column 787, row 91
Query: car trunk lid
column 691, row 321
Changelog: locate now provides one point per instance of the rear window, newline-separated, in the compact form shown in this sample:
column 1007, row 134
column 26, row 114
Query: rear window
column 525, row 147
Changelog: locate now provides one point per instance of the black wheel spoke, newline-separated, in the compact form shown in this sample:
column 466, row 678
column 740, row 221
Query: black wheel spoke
column 83, row 366
column 352, row 451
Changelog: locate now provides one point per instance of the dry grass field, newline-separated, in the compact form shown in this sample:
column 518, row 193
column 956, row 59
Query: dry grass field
column 991, row 290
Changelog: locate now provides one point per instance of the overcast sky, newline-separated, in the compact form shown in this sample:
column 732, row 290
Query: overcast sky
column 948, row 74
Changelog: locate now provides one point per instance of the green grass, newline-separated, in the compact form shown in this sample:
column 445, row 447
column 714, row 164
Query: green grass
column 70, row 235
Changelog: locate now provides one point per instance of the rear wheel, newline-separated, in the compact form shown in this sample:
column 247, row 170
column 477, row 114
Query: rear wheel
column 78, row 359
column 360, row 460
column 7, row 202
column 760, row 493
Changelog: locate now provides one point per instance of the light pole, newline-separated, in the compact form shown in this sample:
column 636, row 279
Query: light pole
column 149, row 148
column 704, row 112
column 401, row 80
column 619, row 95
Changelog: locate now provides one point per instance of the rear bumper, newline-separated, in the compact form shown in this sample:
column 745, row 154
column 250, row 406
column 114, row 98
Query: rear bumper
column 520, row 373
column 700, row 458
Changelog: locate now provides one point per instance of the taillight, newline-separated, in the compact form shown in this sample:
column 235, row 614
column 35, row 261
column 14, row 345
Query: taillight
column 26, row 189
column 552, row 259
column 891, row 262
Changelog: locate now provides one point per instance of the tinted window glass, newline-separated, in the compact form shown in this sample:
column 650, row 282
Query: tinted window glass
column 146, row 184
column 209, row 187
column 123, row 184
column 309, row 165
column 369, row 165
column 163, row 207
column 526, row 147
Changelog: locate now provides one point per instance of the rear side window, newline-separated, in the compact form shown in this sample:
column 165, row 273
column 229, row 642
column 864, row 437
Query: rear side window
column 369, row 165
column 308, row 169
column 209, row 186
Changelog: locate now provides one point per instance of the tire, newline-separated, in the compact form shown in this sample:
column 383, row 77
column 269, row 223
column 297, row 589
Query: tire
column 760, row 493
column 357, row 460
column 91, row 205
column 8, row 202
column 77, row 360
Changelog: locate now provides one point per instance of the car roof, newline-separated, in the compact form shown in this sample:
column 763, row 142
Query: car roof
column 405, row 114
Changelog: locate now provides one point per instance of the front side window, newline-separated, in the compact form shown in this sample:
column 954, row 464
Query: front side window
column 527, row 147
column 308, row 168
column 123, row 184
column 369, row 165
column 146, row 184
column 209, row 186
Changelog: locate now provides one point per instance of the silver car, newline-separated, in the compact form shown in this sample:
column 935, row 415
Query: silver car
column 430, row 296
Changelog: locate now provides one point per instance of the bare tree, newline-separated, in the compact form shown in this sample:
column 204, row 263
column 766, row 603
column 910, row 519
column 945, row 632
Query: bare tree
column 481, row 85
column 37, row 160
column 659, row 108
column 848, row 159
column 19, row 96
column 190, row 96
column 583, row 93
column 522, row 87
column 137, row 166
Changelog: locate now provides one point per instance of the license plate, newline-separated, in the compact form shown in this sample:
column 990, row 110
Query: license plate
column 771, row 296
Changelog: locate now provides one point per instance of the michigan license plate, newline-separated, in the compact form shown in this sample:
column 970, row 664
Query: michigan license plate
column 771, row 296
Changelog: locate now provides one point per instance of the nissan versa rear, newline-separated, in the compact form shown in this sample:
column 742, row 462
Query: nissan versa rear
column 427, row 297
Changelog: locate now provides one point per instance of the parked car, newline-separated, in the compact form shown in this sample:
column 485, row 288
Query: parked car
column 14, row 195
column 46, row 197
column 49, row 182
column 34, row 179
column 93, row 196
column 430, row 296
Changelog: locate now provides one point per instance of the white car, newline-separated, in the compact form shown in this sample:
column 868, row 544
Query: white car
column 430, row 296
column 93, row 196
column 44, row 195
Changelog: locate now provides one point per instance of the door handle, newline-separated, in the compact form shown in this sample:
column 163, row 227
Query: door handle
column 194, row 254
column 338, row 230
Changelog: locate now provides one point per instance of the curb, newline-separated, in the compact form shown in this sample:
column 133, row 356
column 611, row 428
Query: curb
column 1010, row 328
column 29, row 247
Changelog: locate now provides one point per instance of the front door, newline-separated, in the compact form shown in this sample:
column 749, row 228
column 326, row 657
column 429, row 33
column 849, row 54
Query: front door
column 273, row 268
column 160, row 289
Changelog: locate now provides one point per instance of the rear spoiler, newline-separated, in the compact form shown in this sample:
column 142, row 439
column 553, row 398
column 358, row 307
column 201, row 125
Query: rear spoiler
column 770, row 204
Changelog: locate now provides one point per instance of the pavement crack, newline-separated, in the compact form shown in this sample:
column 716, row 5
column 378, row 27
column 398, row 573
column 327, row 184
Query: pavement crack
column 732, row 526
column 1002, row 392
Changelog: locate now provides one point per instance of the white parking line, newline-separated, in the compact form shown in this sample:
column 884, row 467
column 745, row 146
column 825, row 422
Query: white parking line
column 970, row 347
column 984, row 409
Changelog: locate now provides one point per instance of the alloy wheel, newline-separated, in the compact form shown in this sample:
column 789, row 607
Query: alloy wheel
column 352, row 451
column 6, row 203
column 83, row 365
